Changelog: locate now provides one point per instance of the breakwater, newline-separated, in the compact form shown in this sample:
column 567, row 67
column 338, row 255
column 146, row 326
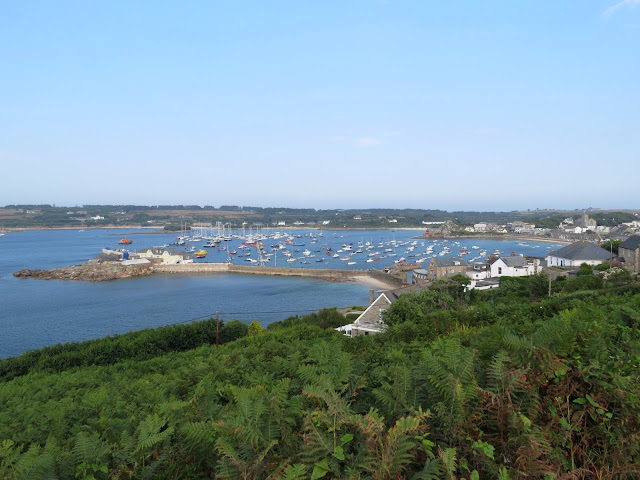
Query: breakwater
column 191, row 268
column 332, row 275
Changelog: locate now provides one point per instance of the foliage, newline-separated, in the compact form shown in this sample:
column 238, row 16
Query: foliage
column 611, row 246
column 324, row 318
column 508, row 384
column 255, row 329
column 139, row 345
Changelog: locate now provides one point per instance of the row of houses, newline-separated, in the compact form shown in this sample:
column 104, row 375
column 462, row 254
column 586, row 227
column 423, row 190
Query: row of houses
column 443, row 268
column 487, row 275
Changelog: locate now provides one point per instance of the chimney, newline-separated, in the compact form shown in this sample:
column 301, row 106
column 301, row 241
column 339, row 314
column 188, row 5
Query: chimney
column 370, row 296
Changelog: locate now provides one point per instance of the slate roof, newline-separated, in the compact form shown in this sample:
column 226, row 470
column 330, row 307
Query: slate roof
column 449, row 262
column 170, row 251
column 581, row 251
column 631, row 243
column 393, row 295
column 102, row 257
column 515, row 261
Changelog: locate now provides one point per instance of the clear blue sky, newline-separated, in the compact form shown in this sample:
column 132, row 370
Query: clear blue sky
column 493, row 105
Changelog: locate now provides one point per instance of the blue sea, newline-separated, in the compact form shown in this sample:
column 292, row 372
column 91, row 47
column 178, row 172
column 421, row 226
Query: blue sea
column 38, row 313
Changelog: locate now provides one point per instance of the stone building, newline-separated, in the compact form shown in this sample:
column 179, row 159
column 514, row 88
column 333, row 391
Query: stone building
column 442, row 268
column 630, row 251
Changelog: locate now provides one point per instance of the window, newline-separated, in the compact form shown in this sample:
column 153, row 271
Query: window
column 499, row 270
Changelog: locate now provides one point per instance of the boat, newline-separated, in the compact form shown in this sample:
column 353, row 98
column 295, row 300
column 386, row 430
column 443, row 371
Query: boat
column 125, row 241
column 200, row 253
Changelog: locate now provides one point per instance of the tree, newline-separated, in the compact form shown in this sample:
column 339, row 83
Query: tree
column 233, row 330
column 255, row 329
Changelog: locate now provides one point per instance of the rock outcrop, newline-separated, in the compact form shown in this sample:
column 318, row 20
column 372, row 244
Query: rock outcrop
column 87, row 272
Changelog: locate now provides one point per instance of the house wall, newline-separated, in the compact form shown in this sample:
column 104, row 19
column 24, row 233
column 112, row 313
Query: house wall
column 631, row 258
column 501, row 269
column 564, row 262
column 439, row 273
column 166, row 257
column 373, row 313
column 370, row 321
column 477, row 274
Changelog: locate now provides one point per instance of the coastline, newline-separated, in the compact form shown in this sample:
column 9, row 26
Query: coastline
column 373, row 282
column 511, row 237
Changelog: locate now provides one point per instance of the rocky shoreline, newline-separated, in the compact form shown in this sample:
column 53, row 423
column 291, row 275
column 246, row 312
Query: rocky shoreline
column 87, row 272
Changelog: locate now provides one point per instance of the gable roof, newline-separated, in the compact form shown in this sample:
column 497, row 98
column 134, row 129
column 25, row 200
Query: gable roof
column 392, row 295
column 581, row 251
column 632, row 243
column 170, row 251
column 449, row 262
column 515, row 261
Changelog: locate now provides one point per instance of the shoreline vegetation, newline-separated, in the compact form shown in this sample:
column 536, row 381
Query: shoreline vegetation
column 543, row 373
column 176, row 217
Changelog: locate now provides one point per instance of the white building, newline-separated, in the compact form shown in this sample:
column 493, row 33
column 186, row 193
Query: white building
column 576, row 254
column 166, row 255
column 515, row 266
column 370, row 321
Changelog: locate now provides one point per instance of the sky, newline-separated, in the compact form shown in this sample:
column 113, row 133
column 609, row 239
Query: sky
column 466, row 105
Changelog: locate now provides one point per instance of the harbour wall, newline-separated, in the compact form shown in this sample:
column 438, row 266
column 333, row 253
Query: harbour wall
column 332, row 275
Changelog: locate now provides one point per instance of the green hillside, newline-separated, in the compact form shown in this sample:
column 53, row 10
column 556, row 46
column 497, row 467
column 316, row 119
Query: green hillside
column 505, row 384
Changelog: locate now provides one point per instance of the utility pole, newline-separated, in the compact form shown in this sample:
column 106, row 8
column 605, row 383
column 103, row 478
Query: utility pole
column 217, row 329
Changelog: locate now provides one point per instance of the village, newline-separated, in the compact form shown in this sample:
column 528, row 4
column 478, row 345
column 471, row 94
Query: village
column 585, row 250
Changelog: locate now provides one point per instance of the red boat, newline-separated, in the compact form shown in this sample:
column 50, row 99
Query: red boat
column 125, row 241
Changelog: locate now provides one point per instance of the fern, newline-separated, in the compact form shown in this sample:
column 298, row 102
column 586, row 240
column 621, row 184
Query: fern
column 449, row 461
column 432, row 470
column 555, row 335
column 449, row 369
column 197, row 436
column 33, row 465
column 86, row 448
column 152, row 431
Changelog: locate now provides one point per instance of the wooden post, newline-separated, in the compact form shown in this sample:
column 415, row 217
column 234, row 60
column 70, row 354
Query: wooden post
column 217, row 329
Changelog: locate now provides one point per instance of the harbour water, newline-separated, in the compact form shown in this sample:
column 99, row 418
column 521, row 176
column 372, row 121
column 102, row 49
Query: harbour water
column 37, row 313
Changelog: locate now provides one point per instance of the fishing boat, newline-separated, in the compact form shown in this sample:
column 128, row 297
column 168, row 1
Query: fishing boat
column 125, row 241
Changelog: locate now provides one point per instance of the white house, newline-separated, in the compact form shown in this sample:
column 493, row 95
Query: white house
column 167, row 255
column 515, row 266
column 576, row 254
column 478, row 271
column 370, row 321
